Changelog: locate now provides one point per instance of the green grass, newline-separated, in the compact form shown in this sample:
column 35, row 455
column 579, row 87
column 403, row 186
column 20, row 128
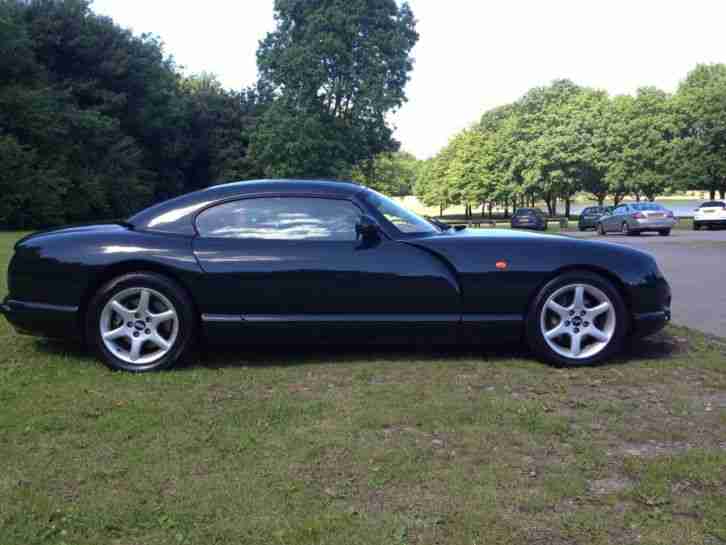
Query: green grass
column 363, row 446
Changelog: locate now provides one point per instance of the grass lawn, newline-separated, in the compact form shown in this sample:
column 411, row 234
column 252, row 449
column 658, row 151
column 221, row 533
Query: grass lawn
column 363, row 446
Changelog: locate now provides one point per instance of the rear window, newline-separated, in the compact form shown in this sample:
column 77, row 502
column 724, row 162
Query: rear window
column 593, row 210
column 714, row 204
column 525, row 212
column 647, row 206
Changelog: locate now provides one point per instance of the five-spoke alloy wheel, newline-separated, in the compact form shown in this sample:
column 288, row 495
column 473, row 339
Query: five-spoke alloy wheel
column 140, row 322
column 578, row 318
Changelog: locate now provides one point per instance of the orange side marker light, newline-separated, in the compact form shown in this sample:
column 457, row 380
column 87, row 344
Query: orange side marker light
column 502, row 265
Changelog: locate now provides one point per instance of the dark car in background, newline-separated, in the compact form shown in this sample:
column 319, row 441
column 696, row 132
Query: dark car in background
column 529, row 218
column 589, row 217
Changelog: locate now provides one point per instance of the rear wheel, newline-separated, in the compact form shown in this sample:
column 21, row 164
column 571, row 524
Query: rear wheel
column 625, row 229
column 601, row 230
column 696, row 226
column 578, row 318
column 665, row 232
column 141, row 322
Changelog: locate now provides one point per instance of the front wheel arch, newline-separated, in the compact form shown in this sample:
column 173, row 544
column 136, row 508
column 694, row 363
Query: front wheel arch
column 606, row 274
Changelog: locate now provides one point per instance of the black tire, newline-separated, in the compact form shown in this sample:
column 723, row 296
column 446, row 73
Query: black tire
column 535, row 337
column 696, row 226
column 601, row 230
column 665, row 232
column 179, row 298
column 625, row 229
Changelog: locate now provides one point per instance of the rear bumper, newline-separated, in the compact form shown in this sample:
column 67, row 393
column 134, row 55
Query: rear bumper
column 709, row 222
column 653, row 225
column 42, row 320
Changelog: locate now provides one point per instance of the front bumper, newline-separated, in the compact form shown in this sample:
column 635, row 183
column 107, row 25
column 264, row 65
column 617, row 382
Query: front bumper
column 648, row 323
column 42, row 320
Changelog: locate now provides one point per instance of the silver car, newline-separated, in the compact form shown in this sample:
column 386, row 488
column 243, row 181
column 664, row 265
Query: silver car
column 636, row 218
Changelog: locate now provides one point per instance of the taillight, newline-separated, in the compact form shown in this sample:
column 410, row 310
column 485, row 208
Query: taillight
column 639, row 216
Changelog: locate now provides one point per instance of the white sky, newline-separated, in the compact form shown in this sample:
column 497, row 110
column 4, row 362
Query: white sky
column 472, row 55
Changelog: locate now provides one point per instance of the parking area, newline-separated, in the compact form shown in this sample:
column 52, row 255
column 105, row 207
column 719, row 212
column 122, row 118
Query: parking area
column 695, row 265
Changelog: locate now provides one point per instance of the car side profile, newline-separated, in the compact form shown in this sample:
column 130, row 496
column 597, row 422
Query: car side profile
column 529, row 218
column 710, row 214
column 636, row 218
column 261, row 262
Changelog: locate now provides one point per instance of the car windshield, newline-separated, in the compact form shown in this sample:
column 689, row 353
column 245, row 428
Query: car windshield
column 714, row 204
column 593, row 210
column 404, row 220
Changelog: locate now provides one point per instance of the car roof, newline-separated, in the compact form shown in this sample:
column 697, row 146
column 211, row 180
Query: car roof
column 175, row 215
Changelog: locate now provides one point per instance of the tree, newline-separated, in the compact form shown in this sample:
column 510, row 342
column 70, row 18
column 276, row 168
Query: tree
column 642, row 133
column 700, row 106
column 390, row 173
column 336, row 69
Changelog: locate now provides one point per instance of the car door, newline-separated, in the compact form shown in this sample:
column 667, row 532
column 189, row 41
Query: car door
column 299, row 259
column 614, row 222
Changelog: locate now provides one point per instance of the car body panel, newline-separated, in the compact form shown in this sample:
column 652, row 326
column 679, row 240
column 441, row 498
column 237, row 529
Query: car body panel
column 452, row 286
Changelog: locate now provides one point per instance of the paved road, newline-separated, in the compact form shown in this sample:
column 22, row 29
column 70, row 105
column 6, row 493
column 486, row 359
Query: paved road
column 695, row 265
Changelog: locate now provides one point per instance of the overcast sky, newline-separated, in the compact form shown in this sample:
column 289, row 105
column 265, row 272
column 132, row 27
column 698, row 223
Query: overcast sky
column 473, row 54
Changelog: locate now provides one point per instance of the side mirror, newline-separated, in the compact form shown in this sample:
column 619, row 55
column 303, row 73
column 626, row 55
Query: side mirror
column 366, row 229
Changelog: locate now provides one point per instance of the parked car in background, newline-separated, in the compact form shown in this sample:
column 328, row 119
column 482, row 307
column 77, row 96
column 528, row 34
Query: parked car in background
column 636, row 218
column 710, row 214
column 589, row 217
column 529, row 218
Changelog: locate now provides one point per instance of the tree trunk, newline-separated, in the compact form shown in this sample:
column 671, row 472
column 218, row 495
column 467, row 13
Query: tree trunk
column 568, row 206
column 441, row 210
column 722, row 192
column 637, row 197
column 506, row 208
column 601, row 200
column 713, row 194
column 490, row 209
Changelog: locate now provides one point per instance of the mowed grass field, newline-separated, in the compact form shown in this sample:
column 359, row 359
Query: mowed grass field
column 360, row 446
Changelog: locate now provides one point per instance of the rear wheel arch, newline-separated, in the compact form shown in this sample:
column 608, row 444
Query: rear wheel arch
column 127, row 267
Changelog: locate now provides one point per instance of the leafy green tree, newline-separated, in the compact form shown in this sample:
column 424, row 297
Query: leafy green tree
column 700, row 106
column 642, row 134
column 336, row 69
column 390, row 173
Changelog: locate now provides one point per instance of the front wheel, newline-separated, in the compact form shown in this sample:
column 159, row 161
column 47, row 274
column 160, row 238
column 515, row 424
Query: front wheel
column 140, row 322
column 665, row 232
column 696, row 226
column 601, row 230
column 578, row 318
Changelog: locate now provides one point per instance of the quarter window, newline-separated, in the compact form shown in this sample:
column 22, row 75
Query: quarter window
column 281, row 218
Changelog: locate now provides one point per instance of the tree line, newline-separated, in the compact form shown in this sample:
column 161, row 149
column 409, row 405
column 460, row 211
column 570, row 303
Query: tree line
column 563, row 139
column 96, row 122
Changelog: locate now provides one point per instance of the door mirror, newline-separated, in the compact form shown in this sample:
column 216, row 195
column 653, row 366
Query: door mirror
column 366, row 229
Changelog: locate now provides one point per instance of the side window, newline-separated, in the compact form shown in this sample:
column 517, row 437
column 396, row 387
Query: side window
column 621, row 210
column 281, row 218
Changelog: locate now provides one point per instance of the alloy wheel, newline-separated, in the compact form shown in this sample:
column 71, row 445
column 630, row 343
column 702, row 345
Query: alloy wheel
column 578, row 321
column 139, row 326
